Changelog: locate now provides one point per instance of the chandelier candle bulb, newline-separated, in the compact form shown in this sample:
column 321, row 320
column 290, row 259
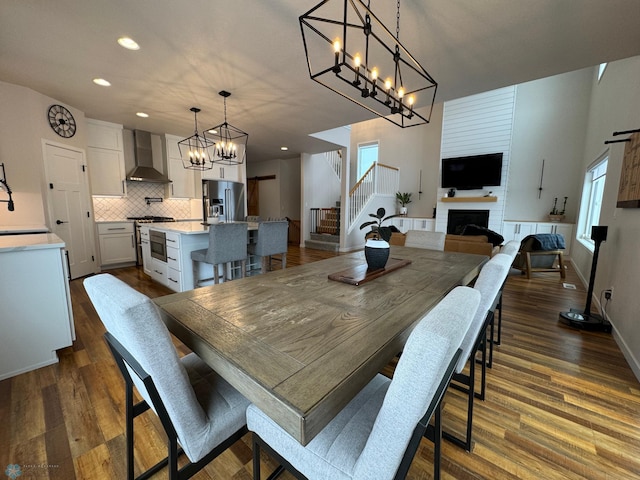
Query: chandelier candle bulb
column 357, row 61
column 374, row 79
column 387, row 86
column 336, row 49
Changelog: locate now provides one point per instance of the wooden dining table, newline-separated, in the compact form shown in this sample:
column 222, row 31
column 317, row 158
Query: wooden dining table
column 300, row 345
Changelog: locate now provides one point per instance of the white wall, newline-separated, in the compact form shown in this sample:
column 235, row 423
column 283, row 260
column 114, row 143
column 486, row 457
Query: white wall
column 476, row 125
column 550, row 122
column 411, row 150
column 550, row 118
column 279, row 197
column 614, row 106
column 23, row 123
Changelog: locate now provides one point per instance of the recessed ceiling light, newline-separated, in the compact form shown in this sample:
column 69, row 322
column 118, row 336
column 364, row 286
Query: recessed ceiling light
column 284, row 149
column 212, row 131
column 102, row 82
column 142, row 114
column 128, row 43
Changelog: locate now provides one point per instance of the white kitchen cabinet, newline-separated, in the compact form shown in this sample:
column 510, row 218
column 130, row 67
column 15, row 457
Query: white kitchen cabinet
column 105, row 156
column 404, row 224
column 517, row 230
column 181, row 239
column 117, row 243
column 423, row 224
column 158, row 271
column 565, row 229
column 223, row 172
column 146, row 249
column 183, row 181
column 36, row 318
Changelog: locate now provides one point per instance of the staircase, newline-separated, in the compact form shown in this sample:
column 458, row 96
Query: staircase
column 379, row 181
column 325, row 229
column 324, row 241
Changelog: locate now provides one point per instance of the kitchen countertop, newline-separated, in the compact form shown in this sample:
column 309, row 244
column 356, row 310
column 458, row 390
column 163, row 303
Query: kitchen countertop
column 188, row 228
column 14, row 243
column 114, row 221
column 22, row 229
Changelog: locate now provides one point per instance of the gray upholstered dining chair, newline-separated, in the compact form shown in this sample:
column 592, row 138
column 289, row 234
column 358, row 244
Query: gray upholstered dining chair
column 488, row 283
column 272, row 240
column 197, row 408
column 377, row 434
column 227, row 243
column 422, row 239
column 511, row 248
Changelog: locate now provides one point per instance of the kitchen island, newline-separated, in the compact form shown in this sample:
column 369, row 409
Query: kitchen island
column 182, row 238
column 36, row 317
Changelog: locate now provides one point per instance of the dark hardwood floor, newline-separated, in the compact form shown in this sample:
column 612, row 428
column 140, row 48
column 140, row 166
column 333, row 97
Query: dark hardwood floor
column 561, row 403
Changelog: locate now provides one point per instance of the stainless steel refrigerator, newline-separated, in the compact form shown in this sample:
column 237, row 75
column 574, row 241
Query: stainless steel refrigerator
column 225, row 197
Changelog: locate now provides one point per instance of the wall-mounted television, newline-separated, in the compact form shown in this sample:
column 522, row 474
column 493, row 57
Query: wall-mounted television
column 472, row 172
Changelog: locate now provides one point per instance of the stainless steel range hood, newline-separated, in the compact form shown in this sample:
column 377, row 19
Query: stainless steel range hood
column 143, row 170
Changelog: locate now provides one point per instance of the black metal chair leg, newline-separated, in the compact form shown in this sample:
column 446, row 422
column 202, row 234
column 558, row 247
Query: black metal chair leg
column 256, row 460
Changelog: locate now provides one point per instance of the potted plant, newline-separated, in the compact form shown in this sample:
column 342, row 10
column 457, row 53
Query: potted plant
column 403, row 199
column 556, row 215
column 376, row 248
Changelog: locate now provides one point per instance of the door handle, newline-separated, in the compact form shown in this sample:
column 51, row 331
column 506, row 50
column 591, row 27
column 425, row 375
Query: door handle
column 60, row 222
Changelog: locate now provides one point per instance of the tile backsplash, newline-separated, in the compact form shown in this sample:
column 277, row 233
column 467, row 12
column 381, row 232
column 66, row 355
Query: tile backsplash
column 135, row 205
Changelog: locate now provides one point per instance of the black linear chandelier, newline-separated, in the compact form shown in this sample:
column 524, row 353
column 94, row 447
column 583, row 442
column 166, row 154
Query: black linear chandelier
column 351, row 52
column 230, row 143
column 196, row 150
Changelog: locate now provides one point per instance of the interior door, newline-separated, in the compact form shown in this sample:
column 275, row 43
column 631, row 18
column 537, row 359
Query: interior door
column 253, row 196
column 69, row 206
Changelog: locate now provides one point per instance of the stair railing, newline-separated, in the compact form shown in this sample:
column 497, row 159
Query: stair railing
column 380, row 179
column 335, row 160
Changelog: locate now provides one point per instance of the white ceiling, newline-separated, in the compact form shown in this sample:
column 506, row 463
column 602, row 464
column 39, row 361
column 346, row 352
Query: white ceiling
column 192, row 49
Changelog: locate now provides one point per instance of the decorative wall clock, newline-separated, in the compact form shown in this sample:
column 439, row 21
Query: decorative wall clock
column 62, row 121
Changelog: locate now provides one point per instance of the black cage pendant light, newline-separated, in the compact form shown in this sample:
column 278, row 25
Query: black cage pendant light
column 230, row 143
column 196, row 151
column 350, row 51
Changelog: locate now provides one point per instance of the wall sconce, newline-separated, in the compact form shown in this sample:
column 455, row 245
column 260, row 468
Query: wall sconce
column 5, row 186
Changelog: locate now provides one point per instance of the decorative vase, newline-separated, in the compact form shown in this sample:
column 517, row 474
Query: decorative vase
column 403, row 210
column 377, row 253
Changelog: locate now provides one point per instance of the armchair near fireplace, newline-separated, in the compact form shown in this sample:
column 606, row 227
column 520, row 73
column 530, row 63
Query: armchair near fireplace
column 538, row 253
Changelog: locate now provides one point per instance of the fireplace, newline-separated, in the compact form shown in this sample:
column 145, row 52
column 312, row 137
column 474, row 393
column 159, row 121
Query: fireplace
column 457, row 219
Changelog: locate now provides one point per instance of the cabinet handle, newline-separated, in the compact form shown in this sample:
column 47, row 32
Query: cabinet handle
column 172, row 259
column 124, row 192
column 172, row 280
column 172, row 241
column 117, row 228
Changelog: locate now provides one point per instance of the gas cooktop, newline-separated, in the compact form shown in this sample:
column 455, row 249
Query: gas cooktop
column 152, row 219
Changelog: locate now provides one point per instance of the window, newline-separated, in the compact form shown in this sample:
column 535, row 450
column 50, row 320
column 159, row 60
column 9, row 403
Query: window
column 367, row 156
column 601, row 68
column 592, row 200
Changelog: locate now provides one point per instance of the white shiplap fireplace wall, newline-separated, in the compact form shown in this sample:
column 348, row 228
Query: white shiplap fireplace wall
column 477, row 125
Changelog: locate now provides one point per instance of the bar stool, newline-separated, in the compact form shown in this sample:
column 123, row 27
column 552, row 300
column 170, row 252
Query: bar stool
column 227, row 243
column 272, row 240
